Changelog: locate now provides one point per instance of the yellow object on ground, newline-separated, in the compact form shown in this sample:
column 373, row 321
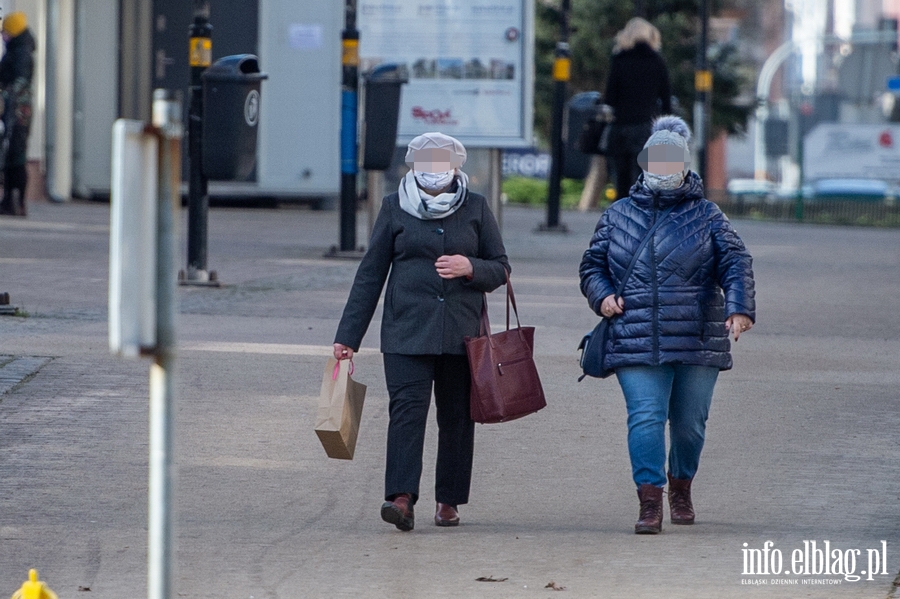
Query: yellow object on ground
column 610, row 193
column 34, row 588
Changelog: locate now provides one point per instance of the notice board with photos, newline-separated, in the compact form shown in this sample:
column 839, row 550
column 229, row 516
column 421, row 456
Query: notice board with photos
column 470, row 65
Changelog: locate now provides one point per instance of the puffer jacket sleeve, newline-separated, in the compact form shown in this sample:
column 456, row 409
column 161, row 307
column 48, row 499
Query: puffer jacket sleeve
column 596, row 283
column 734, row 268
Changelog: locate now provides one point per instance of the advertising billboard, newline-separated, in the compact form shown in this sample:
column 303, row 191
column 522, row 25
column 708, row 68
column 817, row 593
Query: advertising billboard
column 851, row 151
column 470, row 65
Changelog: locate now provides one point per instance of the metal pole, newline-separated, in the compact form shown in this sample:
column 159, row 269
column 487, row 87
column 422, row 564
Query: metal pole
column 703, row 87
column 496, row 185
column 375, row 187
column 798, row 206
column 198, row 195
column 562, row 67
column 168, row 124
column 349, row 108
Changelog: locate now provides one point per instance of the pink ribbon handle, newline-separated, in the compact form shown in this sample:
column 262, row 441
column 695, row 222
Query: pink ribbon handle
column 337, row 369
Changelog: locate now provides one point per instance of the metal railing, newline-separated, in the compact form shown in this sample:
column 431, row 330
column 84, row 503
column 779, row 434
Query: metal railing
column 849, row 210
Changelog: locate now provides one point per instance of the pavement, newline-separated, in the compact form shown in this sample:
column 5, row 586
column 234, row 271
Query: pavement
column 802, row 445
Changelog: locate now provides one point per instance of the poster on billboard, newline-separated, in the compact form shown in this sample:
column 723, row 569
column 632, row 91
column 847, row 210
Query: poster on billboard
column 470, row 65
column 851, row 151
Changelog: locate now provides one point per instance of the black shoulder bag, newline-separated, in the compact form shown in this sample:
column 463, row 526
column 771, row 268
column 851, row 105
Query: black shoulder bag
column 593, row 345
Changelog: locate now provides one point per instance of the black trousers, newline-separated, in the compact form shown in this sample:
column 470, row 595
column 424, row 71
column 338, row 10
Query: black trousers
column 14, row 183
column 410, row 380
column 15, row 178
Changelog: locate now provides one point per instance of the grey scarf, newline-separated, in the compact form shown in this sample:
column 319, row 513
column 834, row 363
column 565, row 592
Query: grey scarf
column 426, row 207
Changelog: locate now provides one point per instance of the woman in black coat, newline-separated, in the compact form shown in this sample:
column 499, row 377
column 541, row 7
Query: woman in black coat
column 439, row 248
column 16, row 71
column 638, row 89
column 692, row 285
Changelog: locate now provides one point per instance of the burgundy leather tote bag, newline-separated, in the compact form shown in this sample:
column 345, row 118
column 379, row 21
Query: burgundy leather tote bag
column 505, row 381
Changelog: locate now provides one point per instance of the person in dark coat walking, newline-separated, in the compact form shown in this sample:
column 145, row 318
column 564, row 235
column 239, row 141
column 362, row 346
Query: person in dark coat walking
column 638, row 89
column 691, row 286
column 439, row 248
column 16, row 71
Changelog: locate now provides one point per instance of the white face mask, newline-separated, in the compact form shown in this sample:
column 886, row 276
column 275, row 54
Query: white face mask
column 433, row 181
column 663, row 182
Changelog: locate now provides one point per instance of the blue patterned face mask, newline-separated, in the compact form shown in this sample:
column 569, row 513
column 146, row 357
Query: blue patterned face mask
column 663, row 182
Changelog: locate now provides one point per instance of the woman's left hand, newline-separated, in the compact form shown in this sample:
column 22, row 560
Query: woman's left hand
column 738, row 323
column 451, row 267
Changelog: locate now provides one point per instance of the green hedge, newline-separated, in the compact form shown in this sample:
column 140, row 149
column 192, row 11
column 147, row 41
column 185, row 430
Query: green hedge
column 523, row 190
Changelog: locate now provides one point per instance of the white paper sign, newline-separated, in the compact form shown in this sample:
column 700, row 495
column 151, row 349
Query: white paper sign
column 305, row 36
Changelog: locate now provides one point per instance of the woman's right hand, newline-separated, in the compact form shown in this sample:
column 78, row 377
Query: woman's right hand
column 610, row 307
column 342, row 352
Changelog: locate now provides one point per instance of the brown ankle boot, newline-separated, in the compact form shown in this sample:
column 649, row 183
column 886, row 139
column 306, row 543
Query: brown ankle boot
column 681, row 510
column 650, row 520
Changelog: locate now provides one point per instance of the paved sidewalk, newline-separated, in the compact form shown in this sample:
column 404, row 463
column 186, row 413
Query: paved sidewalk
column 802, row 442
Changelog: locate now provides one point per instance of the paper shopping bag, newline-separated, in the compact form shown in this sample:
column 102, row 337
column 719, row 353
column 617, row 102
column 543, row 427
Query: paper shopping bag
column 340, row 409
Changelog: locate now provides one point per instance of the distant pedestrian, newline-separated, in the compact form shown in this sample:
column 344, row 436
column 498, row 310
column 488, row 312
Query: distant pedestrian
column 691, row 286
column 16, row 72
column 638, row 89
column 439, row 248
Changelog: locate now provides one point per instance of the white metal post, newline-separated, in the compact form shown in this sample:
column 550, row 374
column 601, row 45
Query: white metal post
column 167, row 122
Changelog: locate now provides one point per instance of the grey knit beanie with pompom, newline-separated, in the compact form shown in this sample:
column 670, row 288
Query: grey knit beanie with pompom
column 669, row 130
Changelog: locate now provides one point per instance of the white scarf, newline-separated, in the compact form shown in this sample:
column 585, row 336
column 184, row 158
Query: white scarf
column 417, row 202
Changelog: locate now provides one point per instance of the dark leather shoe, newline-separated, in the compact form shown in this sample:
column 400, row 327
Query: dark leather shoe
column 681, row 509
column 650, row 520
column 446, row 515
column 399, row 512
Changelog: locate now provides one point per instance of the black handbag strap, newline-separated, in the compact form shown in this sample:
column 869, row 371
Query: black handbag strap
column 640, row 248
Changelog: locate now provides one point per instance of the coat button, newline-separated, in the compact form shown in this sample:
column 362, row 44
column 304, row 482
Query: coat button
column 439, row 231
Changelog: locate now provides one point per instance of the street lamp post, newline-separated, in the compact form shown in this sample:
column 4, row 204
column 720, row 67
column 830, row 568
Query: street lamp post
column 703, row 89
column 562, row 68
column 200, row 55
column 349, row 141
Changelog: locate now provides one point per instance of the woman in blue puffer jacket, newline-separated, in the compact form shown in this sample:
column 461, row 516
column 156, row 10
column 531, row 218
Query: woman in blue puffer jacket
column 691, row 286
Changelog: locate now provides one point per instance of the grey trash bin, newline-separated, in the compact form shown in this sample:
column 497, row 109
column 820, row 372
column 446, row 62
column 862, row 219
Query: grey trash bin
column 231, row 102
column 581, row 108
column 382, row 113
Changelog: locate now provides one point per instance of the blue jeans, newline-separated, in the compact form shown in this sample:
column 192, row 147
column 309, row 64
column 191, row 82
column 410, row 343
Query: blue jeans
column 654, row 394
